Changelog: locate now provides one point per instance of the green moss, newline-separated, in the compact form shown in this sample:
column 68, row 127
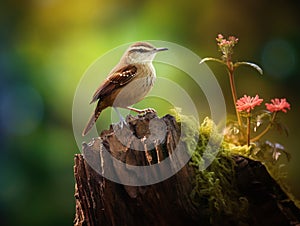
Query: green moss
column 215, row 185
column 215, row 191
column 190, row 127
column 214, row 182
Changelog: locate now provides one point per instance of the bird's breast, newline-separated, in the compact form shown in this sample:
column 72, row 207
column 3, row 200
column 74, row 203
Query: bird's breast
column 135, row 90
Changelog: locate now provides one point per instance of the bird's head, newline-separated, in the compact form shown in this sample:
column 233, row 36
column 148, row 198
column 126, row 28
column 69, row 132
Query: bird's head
column 141, row 52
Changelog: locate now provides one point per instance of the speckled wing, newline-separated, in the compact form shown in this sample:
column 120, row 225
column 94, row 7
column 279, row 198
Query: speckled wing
column 117, row 79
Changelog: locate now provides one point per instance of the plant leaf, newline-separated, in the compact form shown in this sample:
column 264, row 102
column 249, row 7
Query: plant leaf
column 260, row 118
column 274, row 151
column 255, row 66
column 211, row 59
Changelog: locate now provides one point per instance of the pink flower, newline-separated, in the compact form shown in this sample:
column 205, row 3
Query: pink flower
column 248, row 103
column 220, row 36
column 233, row 39
column 226, row 45
column 278, row 105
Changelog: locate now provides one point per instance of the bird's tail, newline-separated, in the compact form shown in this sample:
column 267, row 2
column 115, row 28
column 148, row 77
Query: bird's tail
column 92, row 121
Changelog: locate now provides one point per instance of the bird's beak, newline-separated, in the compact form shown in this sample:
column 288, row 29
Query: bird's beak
column 160, row 49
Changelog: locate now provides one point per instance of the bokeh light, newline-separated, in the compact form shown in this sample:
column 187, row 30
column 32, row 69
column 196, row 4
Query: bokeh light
column 279, row 58
column 21, row 109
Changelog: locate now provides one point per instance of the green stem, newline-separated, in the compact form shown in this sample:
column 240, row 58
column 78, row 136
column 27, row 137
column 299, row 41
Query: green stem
column 266, row 129
column 233, row 90
column 248, row 129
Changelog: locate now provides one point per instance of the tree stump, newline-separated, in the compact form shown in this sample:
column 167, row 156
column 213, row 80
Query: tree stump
column 100, row 201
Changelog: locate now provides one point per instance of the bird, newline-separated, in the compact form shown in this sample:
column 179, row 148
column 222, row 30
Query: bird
column 127, row 83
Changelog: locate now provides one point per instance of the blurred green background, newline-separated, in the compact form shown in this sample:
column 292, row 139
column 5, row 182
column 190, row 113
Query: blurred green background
column 46, row 46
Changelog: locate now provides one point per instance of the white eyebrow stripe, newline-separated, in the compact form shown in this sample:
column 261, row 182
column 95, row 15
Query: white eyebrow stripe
column 141, row 47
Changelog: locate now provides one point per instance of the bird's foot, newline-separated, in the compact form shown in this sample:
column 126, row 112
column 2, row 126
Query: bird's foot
column 123, row 123
column 122, row 120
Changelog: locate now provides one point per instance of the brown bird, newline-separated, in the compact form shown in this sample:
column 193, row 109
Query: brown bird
column 128, row 83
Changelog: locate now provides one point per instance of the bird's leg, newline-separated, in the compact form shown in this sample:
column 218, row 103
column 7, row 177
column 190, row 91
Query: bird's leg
column 123, row 122
column 143, row 111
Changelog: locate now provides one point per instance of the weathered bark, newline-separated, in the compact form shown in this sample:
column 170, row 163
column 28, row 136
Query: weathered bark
column 100, row 201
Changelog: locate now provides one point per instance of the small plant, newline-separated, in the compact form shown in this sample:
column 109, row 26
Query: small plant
column 215, row 187
column 239, row 132
column 226, row 48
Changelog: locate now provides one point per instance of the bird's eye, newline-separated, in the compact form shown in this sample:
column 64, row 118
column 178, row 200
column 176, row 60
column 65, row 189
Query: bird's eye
column 142, row 50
